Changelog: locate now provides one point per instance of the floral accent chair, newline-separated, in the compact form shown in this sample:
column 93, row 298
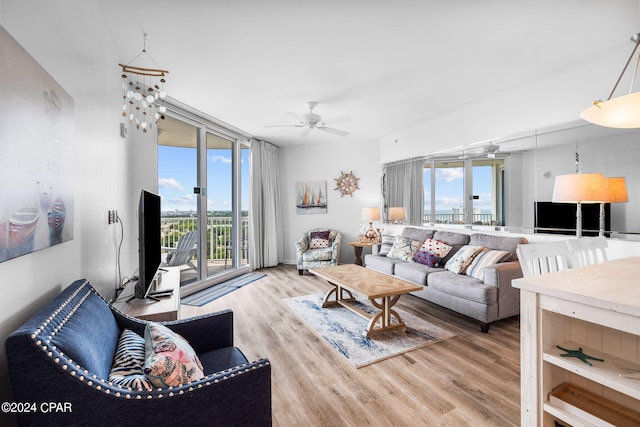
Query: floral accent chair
column 319, row 247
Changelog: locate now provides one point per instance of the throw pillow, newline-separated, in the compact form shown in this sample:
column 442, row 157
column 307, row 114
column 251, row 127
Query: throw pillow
column 426, row 258
column 319, row 244
column 483, row 260
column 386, row 243
column 127, row 369
column 431, row 252
column 170, row 360
column 319, row 240
column 403, row 248
column 461, row 259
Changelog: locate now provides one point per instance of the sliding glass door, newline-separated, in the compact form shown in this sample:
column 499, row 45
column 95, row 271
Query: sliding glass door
column 202, row 179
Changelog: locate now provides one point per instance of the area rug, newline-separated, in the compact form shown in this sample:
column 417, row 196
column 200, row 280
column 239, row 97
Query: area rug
column 344, row 330
column 216, row 291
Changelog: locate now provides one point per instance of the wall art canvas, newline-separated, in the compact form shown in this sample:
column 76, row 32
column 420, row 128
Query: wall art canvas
column 311, row 197
column 36, row 153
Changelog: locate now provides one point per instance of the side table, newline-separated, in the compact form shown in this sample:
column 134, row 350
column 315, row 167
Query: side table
column 357, row 248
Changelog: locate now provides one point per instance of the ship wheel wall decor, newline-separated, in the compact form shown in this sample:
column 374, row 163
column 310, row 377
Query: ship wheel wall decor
column 346, row 184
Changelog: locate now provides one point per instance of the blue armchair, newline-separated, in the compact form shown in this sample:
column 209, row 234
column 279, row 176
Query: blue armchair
column 64, row 353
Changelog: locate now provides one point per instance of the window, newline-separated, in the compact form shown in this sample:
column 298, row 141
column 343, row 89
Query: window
column 465, row 191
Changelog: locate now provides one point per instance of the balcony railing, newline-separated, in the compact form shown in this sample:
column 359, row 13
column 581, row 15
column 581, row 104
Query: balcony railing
column 478, row 219
column 219, row 235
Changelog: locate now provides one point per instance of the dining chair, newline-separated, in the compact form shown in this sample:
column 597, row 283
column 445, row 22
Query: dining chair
column 587, row 250
column 544, row 257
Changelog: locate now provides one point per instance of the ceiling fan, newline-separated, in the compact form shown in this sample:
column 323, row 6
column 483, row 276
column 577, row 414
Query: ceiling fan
column 312, row 121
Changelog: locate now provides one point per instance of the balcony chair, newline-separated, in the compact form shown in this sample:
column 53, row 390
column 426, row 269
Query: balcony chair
column 542, row 258
column 318, row 248
column 587, row 250
column 183, row 252
column 64, row 353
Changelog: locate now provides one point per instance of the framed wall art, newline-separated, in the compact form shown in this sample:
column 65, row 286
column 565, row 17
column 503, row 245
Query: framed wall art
column 311, row 197
column 36, row 140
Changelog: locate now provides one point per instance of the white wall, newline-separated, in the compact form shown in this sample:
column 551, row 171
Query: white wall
column 324, row 161
column 79, row 55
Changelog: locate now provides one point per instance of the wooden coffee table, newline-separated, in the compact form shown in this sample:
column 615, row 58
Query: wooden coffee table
column 382, row 290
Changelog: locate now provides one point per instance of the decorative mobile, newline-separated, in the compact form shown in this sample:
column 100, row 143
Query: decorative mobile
column 346, row 184
column 142, row 92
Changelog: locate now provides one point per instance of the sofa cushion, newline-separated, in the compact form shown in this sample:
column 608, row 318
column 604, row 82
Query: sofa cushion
column 484, row 259
column 414, row 272
column 455, row 240
column 462, row 259
column 462, row 286
column 323, row 254
column 404, row 248
column 501, row 243
column 128, row 362
column 382, row 264
column 170, row 360
column 420, row 234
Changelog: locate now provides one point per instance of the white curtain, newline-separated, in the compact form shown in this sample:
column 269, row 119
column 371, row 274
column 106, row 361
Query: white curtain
column 266, row 246
column 402, row 185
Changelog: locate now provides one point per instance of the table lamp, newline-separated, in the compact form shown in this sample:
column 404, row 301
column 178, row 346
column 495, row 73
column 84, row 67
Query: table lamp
column 579, row 188
column 396, row 214
column 370, row 214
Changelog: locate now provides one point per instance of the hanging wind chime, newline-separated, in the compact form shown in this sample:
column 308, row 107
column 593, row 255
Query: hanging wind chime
column 143, row 92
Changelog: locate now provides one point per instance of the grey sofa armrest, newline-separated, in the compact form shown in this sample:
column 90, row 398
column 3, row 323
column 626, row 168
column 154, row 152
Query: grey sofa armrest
column 500, row 275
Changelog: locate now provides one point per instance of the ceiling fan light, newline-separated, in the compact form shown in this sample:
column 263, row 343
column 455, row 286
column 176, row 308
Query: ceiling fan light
column 621, row 112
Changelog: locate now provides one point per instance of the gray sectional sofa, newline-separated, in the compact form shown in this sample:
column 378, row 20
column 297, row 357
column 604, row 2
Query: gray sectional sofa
column 487, row 301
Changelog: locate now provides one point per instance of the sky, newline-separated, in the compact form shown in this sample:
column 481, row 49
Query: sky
column 177, row 178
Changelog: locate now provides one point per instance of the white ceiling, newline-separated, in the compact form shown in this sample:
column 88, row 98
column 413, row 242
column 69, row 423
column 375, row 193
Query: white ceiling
column 389, row 65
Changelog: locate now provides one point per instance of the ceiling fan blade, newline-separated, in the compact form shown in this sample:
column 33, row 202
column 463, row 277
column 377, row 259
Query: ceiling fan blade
column 338, row 120
column 305, row 133
column 333, row 130
column 298, row 117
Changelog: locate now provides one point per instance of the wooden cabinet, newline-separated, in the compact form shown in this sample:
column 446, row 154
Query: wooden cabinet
column 596, row 308
column 163, row 309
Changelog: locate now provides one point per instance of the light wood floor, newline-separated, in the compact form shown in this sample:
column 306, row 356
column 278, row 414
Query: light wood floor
column 472, row 379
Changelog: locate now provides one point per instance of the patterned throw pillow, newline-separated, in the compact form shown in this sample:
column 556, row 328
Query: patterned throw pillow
column 403, row 248
column 426, row 258
column 386, row 243
column 170, row 360
column 127, row 369
column 319, row 240
column 431, row 252
column 461, row 259
column 485, row 259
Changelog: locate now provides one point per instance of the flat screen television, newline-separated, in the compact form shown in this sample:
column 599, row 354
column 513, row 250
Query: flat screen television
column 560, row 218
column 149, row 244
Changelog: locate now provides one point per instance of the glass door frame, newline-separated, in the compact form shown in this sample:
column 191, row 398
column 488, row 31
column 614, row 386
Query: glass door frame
column 206, row 124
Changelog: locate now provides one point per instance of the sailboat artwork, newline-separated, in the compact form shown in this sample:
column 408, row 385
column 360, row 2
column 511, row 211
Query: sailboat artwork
column 311, row 197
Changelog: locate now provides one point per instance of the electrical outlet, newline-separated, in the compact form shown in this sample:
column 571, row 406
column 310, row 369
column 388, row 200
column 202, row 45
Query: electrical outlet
column 112, row 216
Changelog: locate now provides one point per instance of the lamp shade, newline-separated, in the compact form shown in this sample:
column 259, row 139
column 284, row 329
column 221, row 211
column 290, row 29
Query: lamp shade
column 616, row 190
column 370, row 214
column 620, row 112
column 580, row 188
column 396, row 213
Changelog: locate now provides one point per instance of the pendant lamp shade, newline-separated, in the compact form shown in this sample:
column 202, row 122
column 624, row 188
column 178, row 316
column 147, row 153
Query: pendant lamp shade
column 621, row 112
column 580, row 188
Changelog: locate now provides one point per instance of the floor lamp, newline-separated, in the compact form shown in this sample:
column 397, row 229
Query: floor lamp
column 616, row 193
column 579, row 188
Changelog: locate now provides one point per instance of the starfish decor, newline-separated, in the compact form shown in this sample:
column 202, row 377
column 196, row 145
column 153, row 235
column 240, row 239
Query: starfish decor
column 579, row 354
